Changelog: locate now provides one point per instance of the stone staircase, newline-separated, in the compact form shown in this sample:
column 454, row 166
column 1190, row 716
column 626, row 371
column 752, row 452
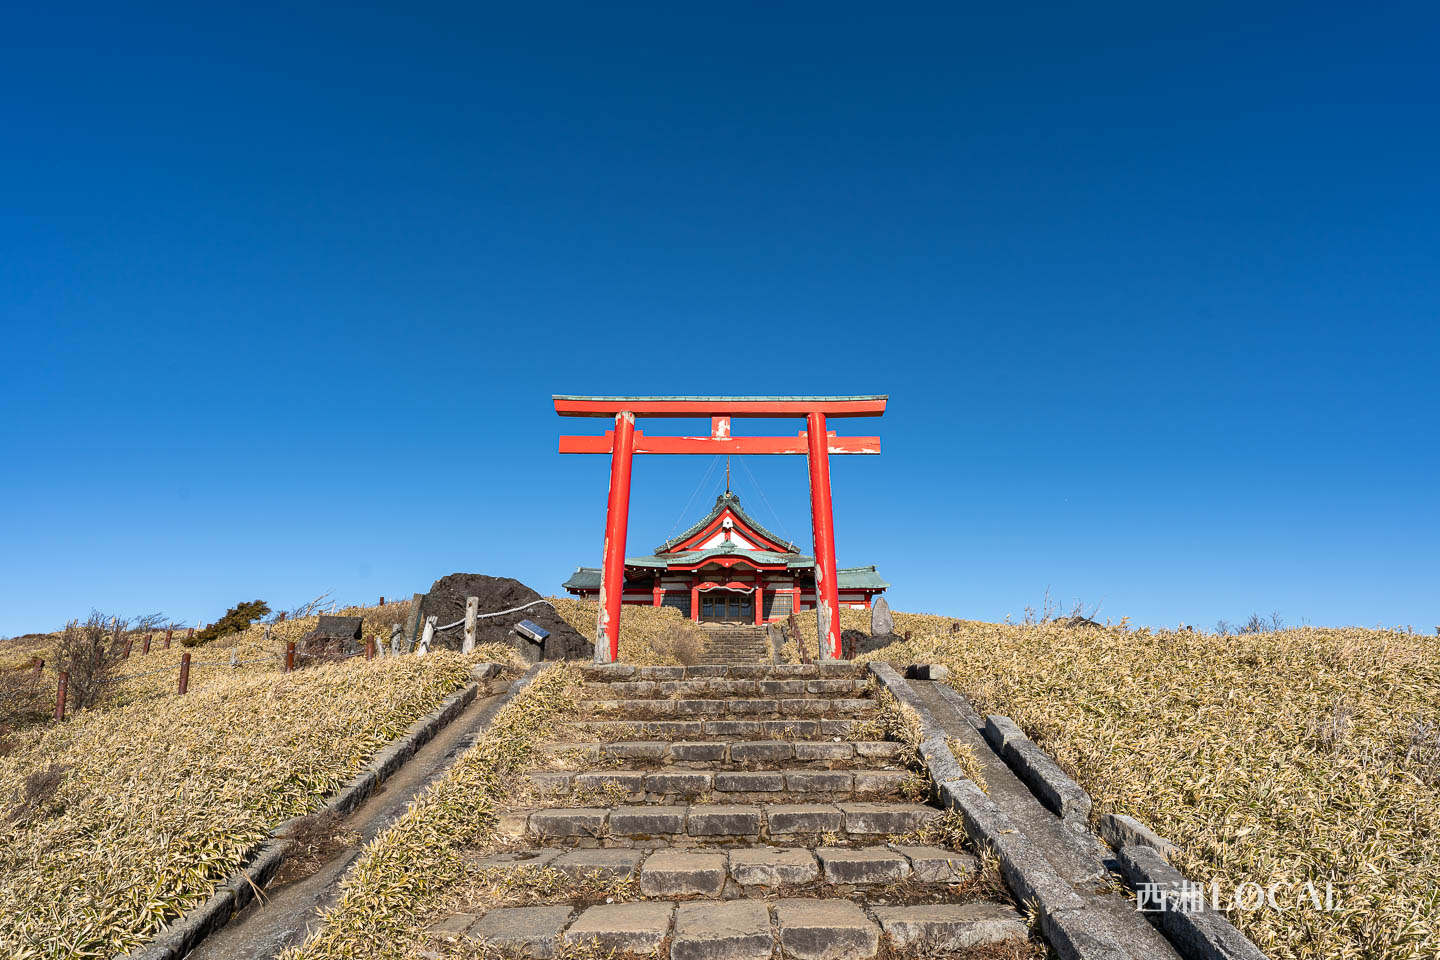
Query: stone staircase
column 726, row 812
column 733, row 643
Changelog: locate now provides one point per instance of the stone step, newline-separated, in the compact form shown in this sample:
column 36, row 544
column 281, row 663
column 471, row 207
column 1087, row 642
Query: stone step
column 779, row 707
column 790, row 823
column 738, row 786
column 738, row 660
column 791, row 729
column 729, row 754
column 803, row 929
column 732, row 658
column 744, row 871
column 596, row 672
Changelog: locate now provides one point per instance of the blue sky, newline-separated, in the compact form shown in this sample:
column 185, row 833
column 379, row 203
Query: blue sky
column 1153, row 289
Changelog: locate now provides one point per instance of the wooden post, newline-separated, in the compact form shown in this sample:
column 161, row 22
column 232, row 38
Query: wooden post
column 472, row 608
column 60, row 690
column 191, row 634
column 125, row 653
column 382, row 601
column 184, row 671
column 169, row 632
column 145, row 645
column 370, row 649
column 290, row 656
column 423, row 647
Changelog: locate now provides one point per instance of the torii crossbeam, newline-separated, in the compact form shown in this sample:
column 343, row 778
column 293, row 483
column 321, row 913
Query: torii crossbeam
column 815, row 442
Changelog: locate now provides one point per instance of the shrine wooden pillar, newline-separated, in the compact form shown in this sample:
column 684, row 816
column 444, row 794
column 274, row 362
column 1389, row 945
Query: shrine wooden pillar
column 617, row 522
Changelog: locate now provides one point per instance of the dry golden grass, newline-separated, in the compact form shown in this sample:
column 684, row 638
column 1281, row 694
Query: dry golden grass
column 1298, row 755
column 645, row 632
column 248, row 644
column 405, row 875
column 151, row 799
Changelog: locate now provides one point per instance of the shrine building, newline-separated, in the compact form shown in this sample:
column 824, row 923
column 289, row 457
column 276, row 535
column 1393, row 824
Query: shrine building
column 727, row 567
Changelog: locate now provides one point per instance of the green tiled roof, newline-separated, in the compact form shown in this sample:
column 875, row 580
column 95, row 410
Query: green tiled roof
column 584, row 578
column 860, row 577
column 852, row 578
column 687, row 557
column 727, row 499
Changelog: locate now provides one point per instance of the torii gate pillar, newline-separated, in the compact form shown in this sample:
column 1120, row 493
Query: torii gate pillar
column 816, row 443
column 822, row 528
column 617, row 523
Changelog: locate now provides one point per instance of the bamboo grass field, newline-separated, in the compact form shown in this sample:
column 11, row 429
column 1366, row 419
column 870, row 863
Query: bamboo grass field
column 404, row 876
column 126, row 815
column 1295, row 755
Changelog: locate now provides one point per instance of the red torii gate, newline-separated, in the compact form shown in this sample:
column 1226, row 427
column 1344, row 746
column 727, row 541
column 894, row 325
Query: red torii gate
column 815, row 442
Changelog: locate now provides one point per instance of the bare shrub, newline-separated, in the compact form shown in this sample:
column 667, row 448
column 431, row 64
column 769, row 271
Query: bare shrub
column 1051, row 612
column 89, row 651
column 309, row 609
column 36, row 793
column 320, row 650
column 1259, row 624
column 20, row 702
column 684, row 642
column 1423, row 751
column 1332, row 730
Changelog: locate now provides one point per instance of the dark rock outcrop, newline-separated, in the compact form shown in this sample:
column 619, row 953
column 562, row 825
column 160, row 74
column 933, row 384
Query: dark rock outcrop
column 446, row 602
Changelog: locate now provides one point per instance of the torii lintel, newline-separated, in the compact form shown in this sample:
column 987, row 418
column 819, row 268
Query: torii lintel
column 622, row 443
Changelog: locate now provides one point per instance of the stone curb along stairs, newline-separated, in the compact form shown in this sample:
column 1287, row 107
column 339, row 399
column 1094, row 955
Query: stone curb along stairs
column 184, row 934
column 1077, row 922
column 726, row 812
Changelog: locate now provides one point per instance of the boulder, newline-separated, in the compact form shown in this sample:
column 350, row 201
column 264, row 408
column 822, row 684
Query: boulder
column 446, row 601
column 881, row 622
column 332, row 637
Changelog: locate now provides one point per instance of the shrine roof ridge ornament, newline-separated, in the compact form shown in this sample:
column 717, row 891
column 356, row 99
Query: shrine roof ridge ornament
column 815, row 443
column 866, row 405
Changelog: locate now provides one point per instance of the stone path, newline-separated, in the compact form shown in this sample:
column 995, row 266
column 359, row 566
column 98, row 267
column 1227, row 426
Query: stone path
column 728, row 812
column 738, row 644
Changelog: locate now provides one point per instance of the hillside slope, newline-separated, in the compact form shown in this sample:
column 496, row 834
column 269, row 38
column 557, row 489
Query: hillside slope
column 124, row 816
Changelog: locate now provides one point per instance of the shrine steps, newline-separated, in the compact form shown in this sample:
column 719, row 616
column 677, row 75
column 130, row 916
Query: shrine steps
column 730, row 754
column 731, row 812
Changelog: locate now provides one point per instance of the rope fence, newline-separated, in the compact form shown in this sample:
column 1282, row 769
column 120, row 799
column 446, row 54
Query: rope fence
column 371, row 648
column 497, row 613
column 286, row 660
